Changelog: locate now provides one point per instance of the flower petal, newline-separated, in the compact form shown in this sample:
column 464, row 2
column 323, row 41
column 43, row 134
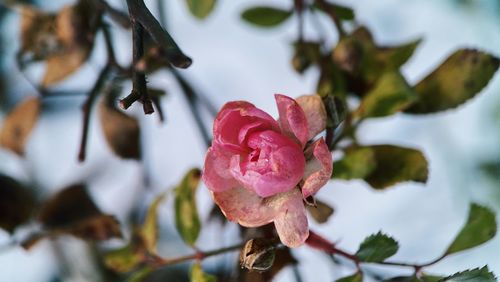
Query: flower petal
column 232, row 118
column 315, row 112
column 292, row 119
column 216, row 173
column 245, row 207
column 291, row 223
column 319, row 166
column 276, row 164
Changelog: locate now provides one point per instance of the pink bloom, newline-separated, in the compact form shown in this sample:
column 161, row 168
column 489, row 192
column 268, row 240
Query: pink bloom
column 259, row 170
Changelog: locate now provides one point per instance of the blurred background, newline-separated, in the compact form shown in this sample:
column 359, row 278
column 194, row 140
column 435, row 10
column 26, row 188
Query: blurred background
column 235, row 61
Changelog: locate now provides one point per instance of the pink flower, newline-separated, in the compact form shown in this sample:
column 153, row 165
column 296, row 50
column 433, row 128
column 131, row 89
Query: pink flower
column 259, row 170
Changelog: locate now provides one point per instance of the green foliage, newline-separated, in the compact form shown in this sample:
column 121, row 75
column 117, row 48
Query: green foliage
column 394, row 57
column 460, row 77
column 200, row 8
column 265, row 16
column 480, row 227
column 17, row 203
column 357, row 277
column 140, row 275
column 197, row 274
column 382, row 166
column 186, row 213
column 376, row 248
column 306, row 53
column 335, row 10
column 477, row 275
column 390, row 95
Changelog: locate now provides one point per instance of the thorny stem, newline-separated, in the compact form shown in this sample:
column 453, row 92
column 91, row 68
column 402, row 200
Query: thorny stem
column 317, row 242
column 157, row 261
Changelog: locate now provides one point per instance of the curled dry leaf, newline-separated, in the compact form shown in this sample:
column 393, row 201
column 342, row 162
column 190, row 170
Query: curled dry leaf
column 64, row 40
column 18, row 125
column 121, row 131
column 72, row 211
column 17, row 203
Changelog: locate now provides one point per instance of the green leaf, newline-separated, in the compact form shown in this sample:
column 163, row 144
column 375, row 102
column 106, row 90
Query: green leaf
column 265, row 16
column 381, row 166
column 306, row 54
column 17, row 203
column 149, row 230
column 376, row 248
column 390, row 95
column 431, row 278
column 394, row 57
column 459, row 78
column 403, row 279
column 358, row 277
column 124, row 259
column 197, row 274
column 200, row 8
column 481, row 226
column 477, row 275
column 335, row 10
column 357, row 163
column 186, row 213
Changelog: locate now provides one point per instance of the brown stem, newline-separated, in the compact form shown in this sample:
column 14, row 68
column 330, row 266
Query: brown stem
column 317, row 242
column 338, row 24
column 157, row 261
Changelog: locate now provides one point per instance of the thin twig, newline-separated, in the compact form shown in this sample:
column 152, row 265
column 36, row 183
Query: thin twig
column 157, row 261
column 338, row 24
column 192, row 100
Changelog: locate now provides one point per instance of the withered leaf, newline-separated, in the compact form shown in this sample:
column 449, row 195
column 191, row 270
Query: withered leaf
column 321, row 212
column 75, row 30
column 18, row 125
column 283, row 258
column 72, row 211
column 17, row 203
column 121, row 131
column 38, row 32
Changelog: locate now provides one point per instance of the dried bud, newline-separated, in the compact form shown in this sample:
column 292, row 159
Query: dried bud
column 257, row 254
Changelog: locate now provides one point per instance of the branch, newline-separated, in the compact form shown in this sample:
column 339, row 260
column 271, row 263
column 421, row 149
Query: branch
column 317, row 242
column 340, row 29
column 157, row 261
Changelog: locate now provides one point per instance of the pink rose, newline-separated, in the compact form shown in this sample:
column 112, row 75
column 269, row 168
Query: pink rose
column 259, row 170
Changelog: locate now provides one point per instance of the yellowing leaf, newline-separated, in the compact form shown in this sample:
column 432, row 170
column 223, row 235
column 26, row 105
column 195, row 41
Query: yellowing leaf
column 197, row 274
column 186, row 213
column 200, row 8
column 149, row 230
column 124, row 259
column 18, row 125
column 390, row 95
column 121, row 131
column 459, row 78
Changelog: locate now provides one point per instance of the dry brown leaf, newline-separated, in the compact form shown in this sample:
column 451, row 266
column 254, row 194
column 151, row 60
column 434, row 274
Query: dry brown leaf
column 321, row 212
column 121, row 131
column 38, row 32
column 17, row 203
column 18, row 125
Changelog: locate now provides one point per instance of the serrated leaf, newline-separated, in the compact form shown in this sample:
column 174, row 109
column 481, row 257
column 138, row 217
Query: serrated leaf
column 187, row 220
column 124, row 259
column 357, row 163
column 477, row 275
column 390, row 95
column 200, row 8
column 481, row 226
column 265, row 16
column 357, row 277
column 17, row 203
column 321, row 212
column 377, row 248
column 149, row 230
column 197, row 274
column 18, row 124
column 121, row 131
column 431, row 278
column 460, row 77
